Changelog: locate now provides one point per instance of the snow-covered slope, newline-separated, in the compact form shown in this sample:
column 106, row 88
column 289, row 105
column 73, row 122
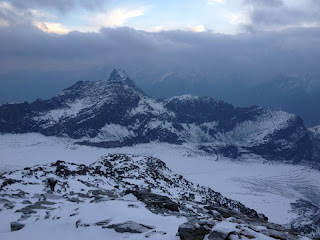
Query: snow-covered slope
column 122, row 196
column 115, row 112
column 276, row 189
column 315, row 130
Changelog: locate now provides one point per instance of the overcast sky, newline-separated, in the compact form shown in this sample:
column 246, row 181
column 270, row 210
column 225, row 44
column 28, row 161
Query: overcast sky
column 252, row 38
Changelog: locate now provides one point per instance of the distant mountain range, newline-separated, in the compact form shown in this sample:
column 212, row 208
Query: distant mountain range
column 298, row 94
column 115, row 113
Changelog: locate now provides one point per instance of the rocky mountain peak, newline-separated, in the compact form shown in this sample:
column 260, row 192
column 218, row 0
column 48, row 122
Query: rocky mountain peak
column 118, row 74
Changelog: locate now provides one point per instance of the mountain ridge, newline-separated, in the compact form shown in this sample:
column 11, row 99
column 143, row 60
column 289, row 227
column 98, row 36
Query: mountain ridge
column 61, row 192
column 115, row 113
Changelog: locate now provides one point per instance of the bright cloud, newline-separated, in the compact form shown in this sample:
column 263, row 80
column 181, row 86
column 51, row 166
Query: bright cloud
column 211, row 2
column 11, row 15
column 51, row 27
column 198, row 28
column 239, row 18
column 157, row 29
column 117, row 17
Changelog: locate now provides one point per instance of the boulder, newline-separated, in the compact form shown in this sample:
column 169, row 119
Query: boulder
column 51, row 183
column 215, row 235
column 131, row 227
column 192, row 231
column 156, row 203
column 15, row 226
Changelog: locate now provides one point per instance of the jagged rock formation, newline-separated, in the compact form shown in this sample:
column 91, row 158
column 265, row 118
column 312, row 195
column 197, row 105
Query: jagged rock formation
column 76, row 194
column 115, row 113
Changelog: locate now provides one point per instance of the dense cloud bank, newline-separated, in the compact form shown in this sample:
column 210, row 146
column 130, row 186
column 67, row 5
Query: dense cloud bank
column 251, row 56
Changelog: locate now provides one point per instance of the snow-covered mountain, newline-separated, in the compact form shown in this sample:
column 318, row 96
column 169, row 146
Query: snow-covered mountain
column 307, row 83
column 115, row 112
column 123, row 197
column 315, row 130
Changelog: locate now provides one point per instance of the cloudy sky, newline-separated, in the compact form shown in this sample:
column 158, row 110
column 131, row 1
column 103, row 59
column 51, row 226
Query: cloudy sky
column 254, row 39
column 220, row 16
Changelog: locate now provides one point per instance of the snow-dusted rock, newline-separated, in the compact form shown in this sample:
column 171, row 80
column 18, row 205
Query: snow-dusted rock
column 15, row 226
column 121, row 194
column 131, row 227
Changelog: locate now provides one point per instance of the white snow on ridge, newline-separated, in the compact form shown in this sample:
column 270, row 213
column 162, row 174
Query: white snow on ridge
column 155, row 123
column 149, row 105
column 250, row 133
column 113, row 132
column 315, row 130
column 72, row 110
column 185, row 97
column 122, row 73
column 195, row 134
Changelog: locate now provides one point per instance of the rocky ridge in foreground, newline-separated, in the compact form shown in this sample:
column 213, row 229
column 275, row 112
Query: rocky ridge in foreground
column 150, row 200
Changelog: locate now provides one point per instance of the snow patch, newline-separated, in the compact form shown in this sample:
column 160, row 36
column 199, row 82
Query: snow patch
column 113, row 132
column 249, row 133
column 148, row 105
column 71, row 110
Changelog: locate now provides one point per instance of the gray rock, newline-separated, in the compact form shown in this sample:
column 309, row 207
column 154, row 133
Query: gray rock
column 156, row 203
column 8, row 182
column 154, row 232
column 9, row 205
column 52, row 196
column 98, row 192
column 132, row 206
column 26, row 202
column 192, row 231
column 51, row 183
column 38, row 205
column 24, row 217
column 26, row 210
column 74, row 214
column 79, row 224
column 131, row 227
column 3, row 200
column 15, row 226
column 76, row 200
column 102, row 223
column 278, row 235
column 215, row 235
column 99, row 199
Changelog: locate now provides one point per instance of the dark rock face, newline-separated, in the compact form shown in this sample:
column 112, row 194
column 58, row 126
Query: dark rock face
column 193, row 231
column 215, row 235
column 15, row 226
column 155, row 202
column 131, row 227
column 51, row 183
column 116, row 113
